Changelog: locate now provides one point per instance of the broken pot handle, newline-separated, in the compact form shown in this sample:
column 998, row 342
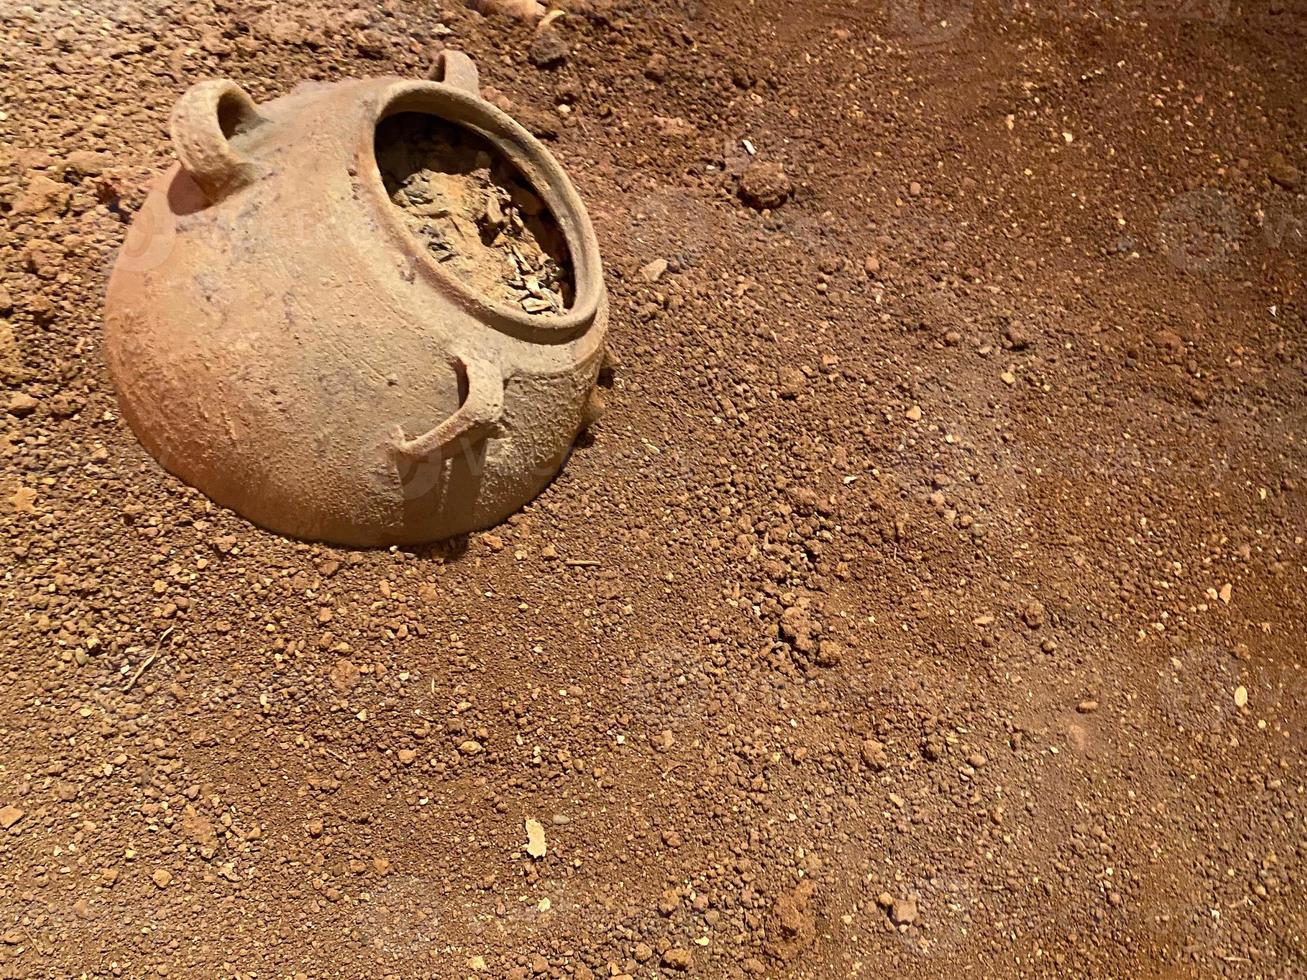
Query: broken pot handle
column 480, row 412
column 203, row 123
column 456, row 69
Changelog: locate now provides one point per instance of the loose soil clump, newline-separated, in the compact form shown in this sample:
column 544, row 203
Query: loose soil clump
column 472, row 211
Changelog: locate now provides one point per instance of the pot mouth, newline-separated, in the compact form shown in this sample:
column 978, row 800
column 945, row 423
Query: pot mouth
column 538, row 171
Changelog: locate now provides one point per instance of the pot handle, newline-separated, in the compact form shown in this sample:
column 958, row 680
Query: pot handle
column 456, row 69
column 480, row 412
column 203, row 123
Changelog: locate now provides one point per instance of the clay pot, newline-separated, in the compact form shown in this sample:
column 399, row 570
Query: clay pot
column 280, row 339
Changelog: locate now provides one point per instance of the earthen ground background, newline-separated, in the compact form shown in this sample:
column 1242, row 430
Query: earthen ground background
column 970, row 578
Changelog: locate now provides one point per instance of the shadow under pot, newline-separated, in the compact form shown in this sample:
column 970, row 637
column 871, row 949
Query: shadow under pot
column 369, row 312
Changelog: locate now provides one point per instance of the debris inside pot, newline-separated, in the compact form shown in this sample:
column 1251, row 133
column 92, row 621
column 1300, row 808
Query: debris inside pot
column 473, row 212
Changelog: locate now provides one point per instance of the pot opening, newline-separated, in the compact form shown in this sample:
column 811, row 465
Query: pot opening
column 474, row 213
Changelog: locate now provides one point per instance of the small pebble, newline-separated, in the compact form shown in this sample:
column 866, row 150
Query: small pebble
column 548, row 50
column 677, row 958
column 22, row 404
column 904, row 911
column 652, row 272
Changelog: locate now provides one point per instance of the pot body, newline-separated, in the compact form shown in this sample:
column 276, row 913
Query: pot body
column 279, row 340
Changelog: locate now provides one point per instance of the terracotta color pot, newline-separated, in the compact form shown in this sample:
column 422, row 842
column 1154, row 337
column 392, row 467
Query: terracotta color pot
column 281, row 341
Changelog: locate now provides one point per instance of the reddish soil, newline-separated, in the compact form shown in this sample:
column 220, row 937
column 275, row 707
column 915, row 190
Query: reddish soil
column 930, row 601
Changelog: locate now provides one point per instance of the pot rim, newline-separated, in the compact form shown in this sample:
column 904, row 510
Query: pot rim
column 542, row 173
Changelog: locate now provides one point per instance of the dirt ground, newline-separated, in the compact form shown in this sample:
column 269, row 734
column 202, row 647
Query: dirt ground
column 930, row 600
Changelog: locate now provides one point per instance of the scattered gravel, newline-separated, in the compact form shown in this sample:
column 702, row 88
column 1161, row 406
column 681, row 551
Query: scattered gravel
column 938, row 613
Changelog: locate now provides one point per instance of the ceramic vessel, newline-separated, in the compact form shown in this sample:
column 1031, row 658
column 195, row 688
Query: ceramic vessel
column 280, row 340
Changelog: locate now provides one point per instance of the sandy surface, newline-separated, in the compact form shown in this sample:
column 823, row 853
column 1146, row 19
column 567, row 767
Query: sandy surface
column 930, row 600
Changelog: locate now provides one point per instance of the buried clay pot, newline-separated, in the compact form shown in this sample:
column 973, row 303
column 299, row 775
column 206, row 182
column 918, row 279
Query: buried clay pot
column 370, row 312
